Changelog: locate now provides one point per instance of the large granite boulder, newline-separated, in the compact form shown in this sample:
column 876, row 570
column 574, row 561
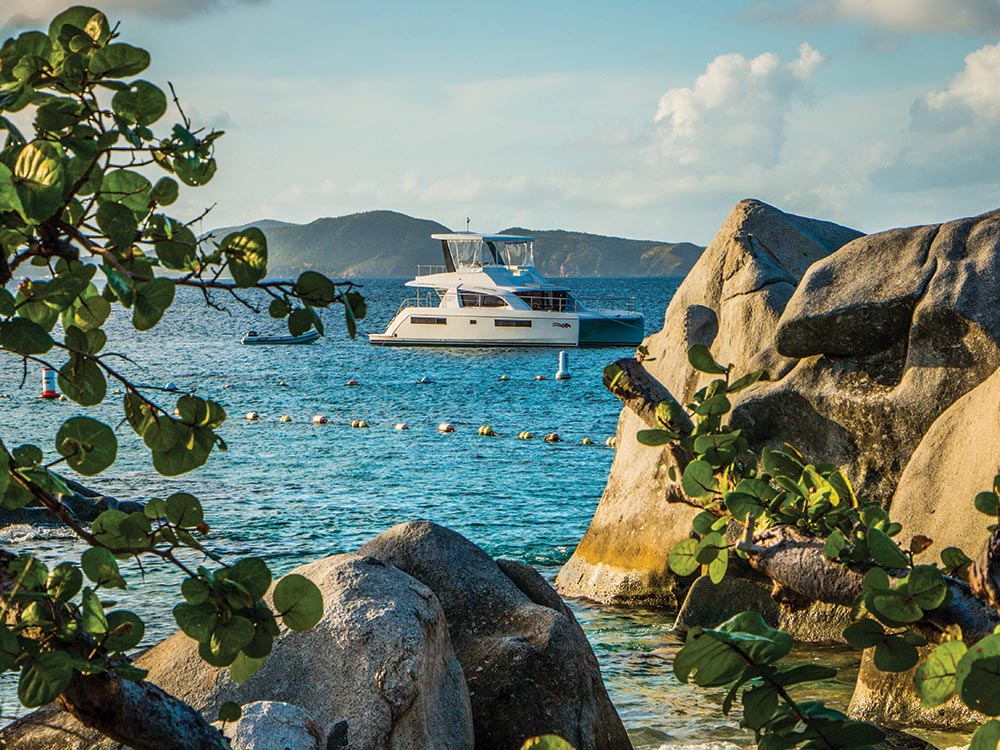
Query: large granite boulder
column 889, row 332
column 731, row 301
column 378, row 670
column 528, row 664
column 958, row 457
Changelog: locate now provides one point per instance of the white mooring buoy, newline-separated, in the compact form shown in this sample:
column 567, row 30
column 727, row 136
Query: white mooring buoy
column 563, row 372
column 49, row 383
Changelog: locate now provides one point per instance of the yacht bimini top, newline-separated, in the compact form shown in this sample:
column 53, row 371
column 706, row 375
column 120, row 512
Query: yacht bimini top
column 468, row 252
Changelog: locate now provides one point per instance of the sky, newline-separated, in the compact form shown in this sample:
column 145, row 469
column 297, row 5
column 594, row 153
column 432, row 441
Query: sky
column 648, row 120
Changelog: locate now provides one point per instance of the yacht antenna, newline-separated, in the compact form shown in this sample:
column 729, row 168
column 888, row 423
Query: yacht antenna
column 467, row 224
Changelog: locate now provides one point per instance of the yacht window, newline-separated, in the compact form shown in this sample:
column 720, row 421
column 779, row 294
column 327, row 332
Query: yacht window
column 518, row 253
column 557, row 300
column 418, row 320
column 472, row 322
column 508, row 323
column 475, row 299
column 466, row 253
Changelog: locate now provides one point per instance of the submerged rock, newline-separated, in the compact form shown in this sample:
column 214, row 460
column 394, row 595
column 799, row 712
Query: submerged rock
column 528, row 664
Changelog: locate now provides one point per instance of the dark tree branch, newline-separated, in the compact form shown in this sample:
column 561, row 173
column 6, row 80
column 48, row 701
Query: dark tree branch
column 796, row 563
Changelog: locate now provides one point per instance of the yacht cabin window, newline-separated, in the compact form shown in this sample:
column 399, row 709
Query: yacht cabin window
column 550, row 300
column 509, row 323
column 476, row 299
column 421, row 320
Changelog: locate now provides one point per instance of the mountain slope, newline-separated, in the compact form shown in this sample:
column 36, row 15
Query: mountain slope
column 388, row 244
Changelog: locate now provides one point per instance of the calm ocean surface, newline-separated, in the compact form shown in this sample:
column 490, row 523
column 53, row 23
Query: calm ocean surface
column 295, row 492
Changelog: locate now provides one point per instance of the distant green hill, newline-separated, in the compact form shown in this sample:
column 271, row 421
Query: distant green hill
column 387, row 244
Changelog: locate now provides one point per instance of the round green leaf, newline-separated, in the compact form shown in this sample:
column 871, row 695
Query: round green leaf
column 298, row 601
column 151, row 300
column 698, row 480
column 226, row 641
column 759, row 705
column 184, row 510
column 702, row 360
column 65, row 582
column 165, row 191
column 140, row 104
column 244, row 667
column 82, row 380
column 43, row 678
column 195, row 590
column 864, row 633
column 89, row 446
column 119, row 61
column 885, row 551
column 894, row 654
column 39, row 176
column 926, row 587
column 90, row 20
column 194, row 171
column 246, row 252
column 118, row 222
column 682, row 560
column 92, row 617
column 894, row 607
column 546, row 742
column 315, row 289
column 253, row 574
column 936, row 678
column 125, row 631
column 986, row 737
column 197, row 620
column 129, row 188
column 230, row 711
column 718, row 566
column 988, row 503
column 978, row 673
column 22, row 336
column 100, row 566
column 656, row 438
column 709, row 548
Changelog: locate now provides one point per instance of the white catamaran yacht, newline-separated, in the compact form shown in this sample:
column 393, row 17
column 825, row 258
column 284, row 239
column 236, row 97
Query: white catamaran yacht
column 489, row 293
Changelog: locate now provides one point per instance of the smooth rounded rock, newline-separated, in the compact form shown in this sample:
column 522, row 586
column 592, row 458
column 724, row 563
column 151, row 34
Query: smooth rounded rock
column 270, row 724
column 528, row 664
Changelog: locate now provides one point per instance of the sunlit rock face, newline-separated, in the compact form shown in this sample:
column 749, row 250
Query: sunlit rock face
column 867, row 340
column 731, row 301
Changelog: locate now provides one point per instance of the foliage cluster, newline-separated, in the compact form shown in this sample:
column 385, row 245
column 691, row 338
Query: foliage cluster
column 85, row 195
column 902, row 603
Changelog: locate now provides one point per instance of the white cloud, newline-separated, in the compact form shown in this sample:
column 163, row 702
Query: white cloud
column 735, row 112
column 897, row 16
column 23, row 13
column 954, row 136
column 971, row 98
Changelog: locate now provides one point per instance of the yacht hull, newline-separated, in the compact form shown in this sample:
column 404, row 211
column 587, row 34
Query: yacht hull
column 423, row 326
column 611, row 329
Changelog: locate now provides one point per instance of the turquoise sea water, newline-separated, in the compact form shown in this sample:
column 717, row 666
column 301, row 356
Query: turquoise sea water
column 295, row 492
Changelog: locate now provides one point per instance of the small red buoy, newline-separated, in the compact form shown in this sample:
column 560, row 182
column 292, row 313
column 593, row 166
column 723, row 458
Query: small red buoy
column 49, row 383
column 353, row 382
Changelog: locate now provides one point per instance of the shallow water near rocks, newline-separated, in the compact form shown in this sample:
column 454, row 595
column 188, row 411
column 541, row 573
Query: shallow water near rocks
column 295, row 492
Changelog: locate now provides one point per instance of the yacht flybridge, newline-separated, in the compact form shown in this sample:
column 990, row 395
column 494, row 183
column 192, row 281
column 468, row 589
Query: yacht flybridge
column 488, row 293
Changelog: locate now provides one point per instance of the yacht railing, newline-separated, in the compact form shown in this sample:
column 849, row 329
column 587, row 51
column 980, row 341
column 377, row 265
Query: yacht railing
column 605, row 302
column 430, row 298
column 427, row 270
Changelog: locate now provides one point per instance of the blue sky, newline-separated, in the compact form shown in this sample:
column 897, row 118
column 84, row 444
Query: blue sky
column 647, row 120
